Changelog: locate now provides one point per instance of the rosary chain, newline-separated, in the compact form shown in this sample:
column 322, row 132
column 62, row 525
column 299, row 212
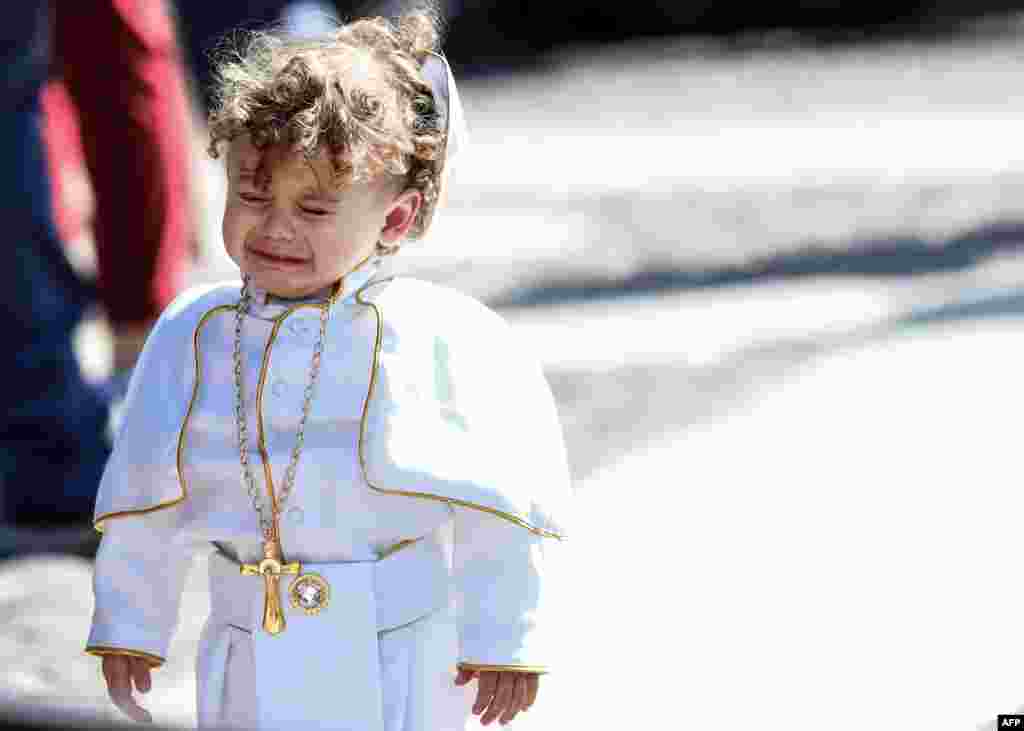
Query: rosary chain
column 267, row 523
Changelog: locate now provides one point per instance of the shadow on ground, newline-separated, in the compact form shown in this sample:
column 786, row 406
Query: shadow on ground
column 659, row 399
column 898, row 256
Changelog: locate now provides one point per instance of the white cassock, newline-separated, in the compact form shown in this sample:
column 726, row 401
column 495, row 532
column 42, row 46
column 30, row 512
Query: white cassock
column 427, row 495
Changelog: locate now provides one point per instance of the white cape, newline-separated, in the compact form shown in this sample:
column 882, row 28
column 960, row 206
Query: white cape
column 457, row 410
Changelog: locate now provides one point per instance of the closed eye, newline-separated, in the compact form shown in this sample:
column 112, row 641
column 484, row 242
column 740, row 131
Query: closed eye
column 314, row 211
column 253, row 198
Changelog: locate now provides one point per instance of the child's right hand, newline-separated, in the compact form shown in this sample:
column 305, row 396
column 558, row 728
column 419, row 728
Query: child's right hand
column 120, row 671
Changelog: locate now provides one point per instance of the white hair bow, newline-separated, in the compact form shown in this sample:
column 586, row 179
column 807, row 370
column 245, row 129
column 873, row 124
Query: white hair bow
column 438, row 74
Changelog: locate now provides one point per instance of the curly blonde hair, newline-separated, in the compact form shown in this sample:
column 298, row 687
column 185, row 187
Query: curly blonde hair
column 359, row 95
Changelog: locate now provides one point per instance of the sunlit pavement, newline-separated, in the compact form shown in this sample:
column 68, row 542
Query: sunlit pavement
column 838, row 540
column 845, row 548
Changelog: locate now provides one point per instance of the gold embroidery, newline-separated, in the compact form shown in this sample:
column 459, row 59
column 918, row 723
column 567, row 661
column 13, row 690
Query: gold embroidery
column 98, row 523
column 336, row 290
column 260, row 433
column 196, row 334
column 408, row 493
column 532, row 669
column 391, row 550
column 154, row 661
column 375, row 366
column 265, row 367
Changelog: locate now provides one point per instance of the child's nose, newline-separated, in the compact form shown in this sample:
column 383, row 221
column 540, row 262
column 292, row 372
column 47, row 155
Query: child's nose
column 278, row 223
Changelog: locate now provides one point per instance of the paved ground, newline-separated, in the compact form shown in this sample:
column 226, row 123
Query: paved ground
column 819, row 513
column 796, row 496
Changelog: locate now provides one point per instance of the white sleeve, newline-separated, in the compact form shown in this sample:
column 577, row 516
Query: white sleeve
column 501, row 598
column 138, row 580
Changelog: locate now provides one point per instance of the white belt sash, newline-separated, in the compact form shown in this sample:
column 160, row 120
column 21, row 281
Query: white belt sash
column 323, row 670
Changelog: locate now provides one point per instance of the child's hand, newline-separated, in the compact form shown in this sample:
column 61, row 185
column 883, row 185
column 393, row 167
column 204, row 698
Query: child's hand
column 120, row 671
column 502, row 693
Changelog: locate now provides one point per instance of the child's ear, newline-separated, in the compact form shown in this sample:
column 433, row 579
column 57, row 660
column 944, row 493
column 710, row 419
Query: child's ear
column 401, row 217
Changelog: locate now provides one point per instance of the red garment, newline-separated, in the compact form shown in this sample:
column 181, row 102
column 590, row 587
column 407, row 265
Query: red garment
column 122, row 68
column 65, row 162
column 64, row 156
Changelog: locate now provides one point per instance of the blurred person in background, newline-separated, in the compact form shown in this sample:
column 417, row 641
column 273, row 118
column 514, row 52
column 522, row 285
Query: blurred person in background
column 205, row 25
column 121, row 66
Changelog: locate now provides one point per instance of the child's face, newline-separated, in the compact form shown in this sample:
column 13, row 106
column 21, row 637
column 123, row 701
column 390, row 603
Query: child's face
column 295, row 235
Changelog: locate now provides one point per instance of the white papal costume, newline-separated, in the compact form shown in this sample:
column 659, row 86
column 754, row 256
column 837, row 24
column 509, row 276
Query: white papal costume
column 428, row 492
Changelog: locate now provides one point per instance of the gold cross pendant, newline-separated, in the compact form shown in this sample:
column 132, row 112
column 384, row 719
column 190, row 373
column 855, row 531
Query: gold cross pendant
column 271, row 568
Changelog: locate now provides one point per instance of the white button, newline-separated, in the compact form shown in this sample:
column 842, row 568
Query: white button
column 279, row 387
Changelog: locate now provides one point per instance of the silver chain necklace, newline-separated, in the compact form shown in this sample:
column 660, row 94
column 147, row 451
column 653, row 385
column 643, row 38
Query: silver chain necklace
column 267, row 522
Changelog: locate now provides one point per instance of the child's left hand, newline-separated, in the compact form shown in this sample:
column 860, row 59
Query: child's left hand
column 504, row 693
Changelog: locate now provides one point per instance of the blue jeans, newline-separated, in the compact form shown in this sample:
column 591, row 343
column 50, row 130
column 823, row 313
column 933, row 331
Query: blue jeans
column 53, row 425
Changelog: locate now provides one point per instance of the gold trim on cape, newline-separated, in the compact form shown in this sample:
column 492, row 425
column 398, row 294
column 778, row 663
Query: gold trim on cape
column 261, row 386
column 375, row 367
column 98, row 523
column 517, row 520
column 265, row 368
column 396, row 547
